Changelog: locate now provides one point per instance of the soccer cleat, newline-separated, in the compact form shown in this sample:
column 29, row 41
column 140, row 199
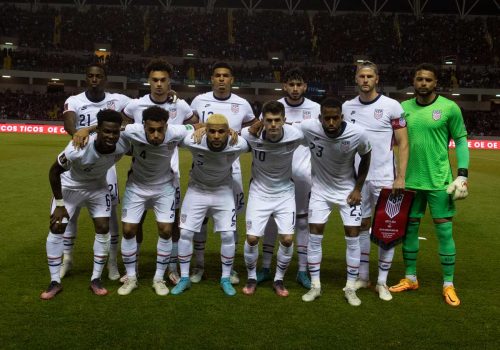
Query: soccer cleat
column 314, row 293
column 184, row 284
column 303, row 279
column 160, row 287
column 450, row 296
column 129, row 284
column 53, row 289
column 362, row 284
column 174, row 277
column 250, row 287
column 227, row 287
column 113, row 273
column 279, row 288
column 197, row 274
column 97, row 288
column 351, row 297
column 66, row 266
column 383, row 292
column 404, row 285
column 263, row 275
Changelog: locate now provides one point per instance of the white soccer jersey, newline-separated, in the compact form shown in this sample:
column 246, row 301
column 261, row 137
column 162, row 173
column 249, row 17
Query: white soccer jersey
column 151, row 165
column 178, row 113
column 86, row 167
column 272, row 162
column 378, row 119
column 86, row 110
column 332, row 159
column 301, row 165
column 212, row 169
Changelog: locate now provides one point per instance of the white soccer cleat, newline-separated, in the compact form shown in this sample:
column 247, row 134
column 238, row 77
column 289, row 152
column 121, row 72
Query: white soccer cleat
column 383, row 292
column 361, row 284
column 313, row 294
column 113, row 273
column 160, row 287
column 234, row 278
column 129, row 285
column 197, row 275
column 66, row 266
column 351, row 297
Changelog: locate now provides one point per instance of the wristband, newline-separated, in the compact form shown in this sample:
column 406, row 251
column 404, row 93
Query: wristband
column 462, row 172
column 59, row 202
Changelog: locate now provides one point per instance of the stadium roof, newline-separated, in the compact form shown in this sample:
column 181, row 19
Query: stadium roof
column 462, row 7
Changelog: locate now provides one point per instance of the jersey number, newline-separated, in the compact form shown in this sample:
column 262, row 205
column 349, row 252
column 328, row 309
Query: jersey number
column 319, row 149
column 203, row 115
column 260, row 155
column 84, row 119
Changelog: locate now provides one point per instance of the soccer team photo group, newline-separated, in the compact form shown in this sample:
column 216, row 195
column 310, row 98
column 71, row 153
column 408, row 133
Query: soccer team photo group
column 308, row 159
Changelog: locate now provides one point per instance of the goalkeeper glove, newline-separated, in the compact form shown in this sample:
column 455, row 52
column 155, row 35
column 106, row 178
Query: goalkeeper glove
column 458, row 188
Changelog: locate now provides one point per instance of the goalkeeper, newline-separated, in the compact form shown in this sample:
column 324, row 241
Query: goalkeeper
column 432, row 120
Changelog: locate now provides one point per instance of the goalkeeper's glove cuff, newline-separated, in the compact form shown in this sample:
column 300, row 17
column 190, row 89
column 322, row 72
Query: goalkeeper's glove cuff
column 458, row 188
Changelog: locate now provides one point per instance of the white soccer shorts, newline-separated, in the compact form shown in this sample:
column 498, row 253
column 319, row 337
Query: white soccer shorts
column 260, row 209
column 136, row 199
column 320, row 209
column 97, row 201
column 369, row 195
column 200, row 203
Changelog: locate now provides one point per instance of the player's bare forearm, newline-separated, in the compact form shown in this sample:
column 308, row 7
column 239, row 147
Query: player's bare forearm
column 255, row 129
column 195, row 119
column 401, row 136
column 70, row 122
column 55, row 179
column 81, row 137
column 251, row 122
column 364, row 166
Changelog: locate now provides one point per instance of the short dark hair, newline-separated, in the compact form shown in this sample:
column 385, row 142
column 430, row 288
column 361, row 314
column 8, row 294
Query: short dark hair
column 109, row 115
column 273, row 107
column 159, row 65
column 221, row 64
column 98, row 65
column 155, row 113
column 427, row 66
column 331, row 102
column 294, row 74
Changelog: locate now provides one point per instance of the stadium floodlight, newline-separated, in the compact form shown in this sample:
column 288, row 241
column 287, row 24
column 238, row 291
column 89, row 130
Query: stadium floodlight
column 191, row 85
column 8, row 43
column 410, row 93
column 448, row 62
column 455, row 94
column 190, row 54
column 102, row 50
column 360, row 61
column 54, row 79
column 146, row 84
column 8, row 76
column 278, row 89
column 236, row 87
column 274, row 58
column 497, row 95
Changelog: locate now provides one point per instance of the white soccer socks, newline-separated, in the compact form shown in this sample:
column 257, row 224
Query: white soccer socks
column 185, row 247
column 54, row 247
column 101, row 250
column 163, row 251
column 129, row 255
column 251, row 253
column 283, row 261
column 227, row 252
column 314, row 256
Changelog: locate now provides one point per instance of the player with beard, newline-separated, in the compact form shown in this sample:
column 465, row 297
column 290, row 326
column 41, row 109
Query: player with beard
column 432, row 121
column 382, row 119
column 297, row 109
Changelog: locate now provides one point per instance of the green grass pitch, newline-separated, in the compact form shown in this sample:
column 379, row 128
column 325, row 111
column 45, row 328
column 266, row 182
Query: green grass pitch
column 205, row 318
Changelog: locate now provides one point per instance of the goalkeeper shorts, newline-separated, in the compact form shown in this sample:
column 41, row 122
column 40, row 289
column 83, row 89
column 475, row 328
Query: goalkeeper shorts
column 441, row 204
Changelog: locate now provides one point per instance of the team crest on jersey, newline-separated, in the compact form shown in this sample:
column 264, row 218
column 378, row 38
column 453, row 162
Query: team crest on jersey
column 111, row 105
column 249, row 225
column 306, row 115
column 378, row 113
column 436, row 114
column 393, row 205
column 183, row 218
column 172, row 113
column 345, row 145
column 235, row 108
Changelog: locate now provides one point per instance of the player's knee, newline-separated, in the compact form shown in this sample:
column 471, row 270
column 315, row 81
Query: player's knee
column 186, row 235
column 351, row 231
column 286, row 240
column 365, row 224
column 129, row 230
column 165, row 230
column 227, row 237
column 102, row 228
column 316, row 229
column 441, row 220
column 252, row 240
column 58, row 229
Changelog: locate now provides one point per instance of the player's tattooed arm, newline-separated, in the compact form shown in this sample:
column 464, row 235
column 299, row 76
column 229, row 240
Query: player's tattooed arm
column 354, row 197
column 60, row 211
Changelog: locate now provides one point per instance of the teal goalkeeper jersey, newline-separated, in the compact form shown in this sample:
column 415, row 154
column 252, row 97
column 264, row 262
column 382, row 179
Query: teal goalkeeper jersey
column 430, row 128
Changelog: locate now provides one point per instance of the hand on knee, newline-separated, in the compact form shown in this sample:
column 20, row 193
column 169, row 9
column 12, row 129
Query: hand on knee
column 252, row 240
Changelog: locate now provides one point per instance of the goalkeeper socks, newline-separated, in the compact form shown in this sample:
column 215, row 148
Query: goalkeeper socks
column 447, row 249
column 410, row 248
